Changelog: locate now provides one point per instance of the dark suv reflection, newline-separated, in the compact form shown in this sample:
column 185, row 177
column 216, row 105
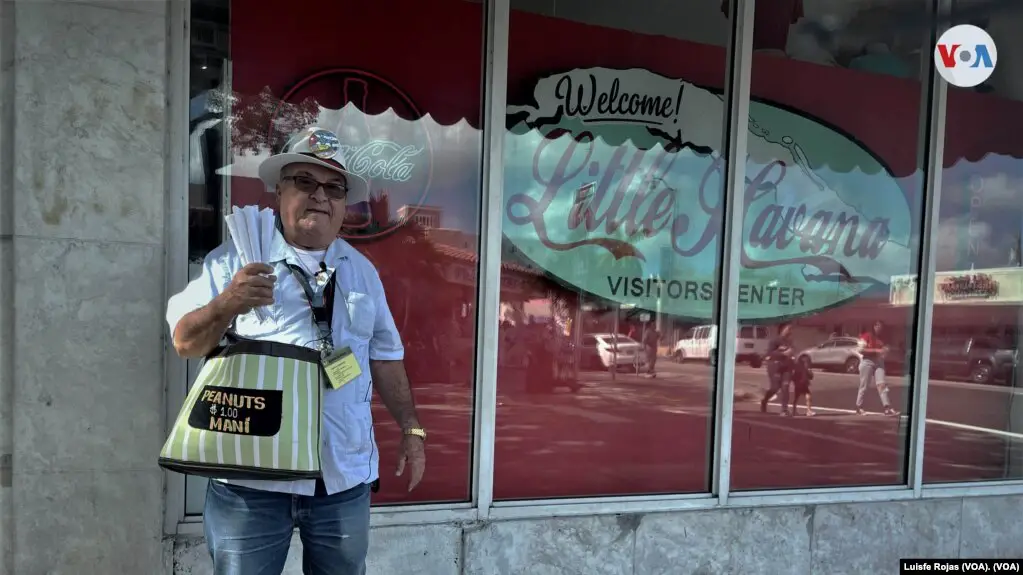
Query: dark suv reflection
column 978, row 359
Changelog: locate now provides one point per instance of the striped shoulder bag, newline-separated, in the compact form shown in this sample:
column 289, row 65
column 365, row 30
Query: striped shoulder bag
column 252, row 413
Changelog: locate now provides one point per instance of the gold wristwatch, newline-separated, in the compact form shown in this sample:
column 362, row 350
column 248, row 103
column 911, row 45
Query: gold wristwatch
column 416, row 431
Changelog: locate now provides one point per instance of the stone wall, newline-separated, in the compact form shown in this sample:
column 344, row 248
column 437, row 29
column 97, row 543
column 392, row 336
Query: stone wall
column 808, row 540
column 81, row 366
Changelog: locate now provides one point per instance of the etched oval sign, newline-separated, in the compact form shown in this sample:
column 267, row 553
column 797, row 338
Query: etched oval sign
column 613, row 184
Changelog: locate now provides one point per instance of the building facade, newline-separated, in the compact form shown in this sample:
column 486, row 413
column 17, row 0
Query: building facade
column 551, row 183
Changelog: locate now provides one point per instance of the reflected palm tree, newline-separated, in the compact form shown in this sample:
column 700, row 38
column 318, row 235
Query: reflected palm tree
column 257, row 123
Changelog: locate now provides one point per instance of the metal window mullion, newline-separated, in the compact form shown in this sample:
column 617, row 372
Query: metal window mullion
column 495, row 92
column 227, row 143
column 176, row 231
column 934, row 109
column 736, row 130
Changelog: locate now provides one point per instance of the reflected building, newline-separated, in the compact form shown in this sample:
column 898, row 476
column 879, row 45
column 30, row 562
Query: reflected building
column 428, row 217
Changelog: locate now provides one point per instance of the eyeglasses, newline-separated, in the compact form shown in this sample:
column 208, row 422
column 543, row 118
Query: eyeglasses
column 308, row 185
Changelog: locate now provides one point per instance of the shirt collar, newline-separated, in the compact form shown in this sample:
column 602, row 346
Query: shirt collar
column 280, row 251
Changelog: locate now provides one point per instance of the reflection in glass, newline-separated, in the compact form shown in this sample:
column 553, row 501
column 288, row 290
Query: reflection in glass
column 974, row 426
column 612, row 184
column 413, row 133
column 832, row 218
column 207, row 143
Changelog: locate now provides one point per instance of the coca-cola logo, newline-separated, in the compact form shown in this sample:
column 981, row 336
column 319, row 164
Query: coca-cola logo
column 383, row 139
column 382, row 159
column 611, row 166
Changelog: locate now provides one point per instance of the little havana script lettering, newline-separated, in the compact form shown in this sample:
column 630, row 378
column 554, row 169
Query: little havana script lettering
column 823, row 237
column 382, row 159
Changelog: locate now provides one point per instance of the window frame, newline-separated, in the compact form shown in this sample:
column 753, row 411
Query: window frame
column 481, row 506
column 176, row 234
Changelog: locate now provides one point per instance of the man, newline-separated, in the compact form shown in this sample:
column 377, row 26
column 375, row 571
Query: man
column 779, row 368
column 249, row 524
column 872, row 354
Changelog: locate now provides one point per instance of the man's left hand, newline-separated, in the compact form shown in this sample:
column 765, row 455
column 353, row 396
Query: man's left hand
column 413, row 453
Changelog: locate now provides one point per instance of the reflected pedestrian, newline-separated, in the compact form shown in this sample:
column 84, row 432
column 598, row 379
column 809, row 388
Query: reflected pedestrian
column 873, row 350
column 651, row 340
column 780, row 362
column 802, row 375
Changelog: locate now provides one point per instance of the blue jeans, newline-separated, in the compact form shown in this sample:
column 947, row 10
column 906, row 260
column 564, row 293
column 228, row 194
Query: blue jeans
column 872, row 372
column 248, row 531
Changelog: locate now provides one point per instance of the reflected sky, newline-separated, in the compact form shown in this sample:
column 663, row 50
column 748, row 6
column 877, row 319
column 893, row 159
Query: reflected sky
column 981, row 213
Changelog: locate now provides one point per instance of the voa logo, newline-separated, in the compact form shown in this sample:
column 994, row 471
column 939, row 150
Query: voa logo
column 965, row 56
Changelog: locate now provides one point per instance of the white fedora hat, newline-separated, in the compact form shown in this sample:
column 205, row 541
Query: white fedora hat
column 319, row 147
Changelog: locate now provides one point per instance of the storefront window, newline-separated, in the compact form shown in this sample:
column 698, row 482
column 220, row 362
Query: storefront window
column 612, row 187
column 974, row 409
column 405, row 100
column 832, row 220
column 614, row 163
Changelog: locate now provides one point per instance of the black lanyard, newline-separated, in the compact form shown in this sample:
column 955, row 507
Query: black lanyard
column 321, row 304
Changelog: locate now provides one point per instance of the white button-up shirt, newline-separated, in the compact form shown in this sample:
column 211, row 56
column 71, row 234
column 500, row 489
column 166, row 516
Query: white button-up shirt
column 361, row 320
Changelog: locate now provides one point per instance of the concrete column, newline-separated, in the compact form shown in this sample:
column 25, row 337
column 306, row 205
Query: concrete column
column 85, row 181
column 6, row 287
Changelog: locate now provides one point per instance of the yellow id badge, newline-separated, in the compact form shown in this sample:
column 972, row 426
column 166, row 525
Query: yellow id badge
column 341, row 367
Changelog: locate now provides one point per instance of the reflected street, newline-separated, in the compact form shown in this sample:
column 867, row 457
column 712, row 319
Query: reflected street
column 773, row 451
column 965, row 440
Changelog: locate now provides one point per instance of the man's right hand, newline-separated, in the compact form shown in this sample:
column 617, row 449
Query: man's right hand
column 199, row 331
column 251, row 287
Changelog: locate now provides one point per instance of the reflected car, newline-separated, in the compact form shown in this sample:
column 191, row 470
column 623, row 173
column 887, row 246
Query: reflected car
column 837, row 354
column 599, row 351
column 980, row 360
column 700, row 343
